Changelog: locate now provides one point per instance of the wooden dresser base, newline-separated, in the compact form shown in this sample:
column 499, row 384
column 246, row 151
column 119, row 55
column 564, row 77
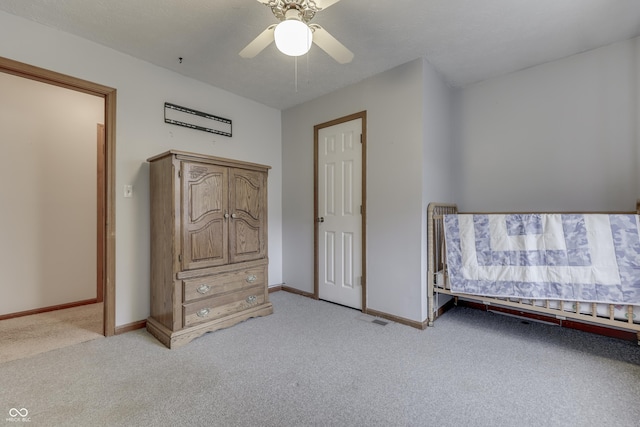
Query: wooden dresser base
column 184, row 336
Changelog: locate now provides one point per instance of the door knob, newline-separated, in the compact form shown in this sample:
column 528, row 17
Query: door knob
column 321, row 219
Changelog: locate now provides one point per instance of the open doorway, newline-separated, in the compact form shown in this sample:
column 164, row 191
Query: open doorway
column 104, row 254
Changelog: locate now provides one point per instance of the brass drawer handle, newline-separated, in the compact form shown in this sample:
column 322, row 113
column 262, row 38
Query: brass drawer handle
column 203, row 289
column 251, row 299
column 252, row 278
column 203, row 312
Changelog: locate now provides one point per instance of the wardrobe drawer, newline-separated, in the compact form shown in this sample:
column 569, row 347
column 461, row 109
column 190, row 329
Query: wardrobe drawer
column 222, row 283
column 222, row 305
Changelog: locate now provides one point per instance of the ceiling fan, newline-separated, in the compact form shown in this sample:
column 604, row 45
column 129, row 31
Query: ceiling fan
column 294, row 35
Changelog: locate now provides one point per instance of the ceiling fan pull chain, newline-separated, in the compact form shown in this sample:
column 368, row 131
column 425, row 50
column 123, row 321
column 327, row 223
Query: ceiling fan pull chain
column 308, row 73
column 295, row 59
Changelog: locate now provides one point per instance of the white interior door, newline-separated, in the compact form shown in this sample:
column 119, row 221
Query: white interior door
column 340, row 213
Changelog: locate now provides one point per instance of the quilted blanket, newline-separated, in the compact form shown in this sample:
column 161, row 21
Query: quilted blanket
column 578, row 257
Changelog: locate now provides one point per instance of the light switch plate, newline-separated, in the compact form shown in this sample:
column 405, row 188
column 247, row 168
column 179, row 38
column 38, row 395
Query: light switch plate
column 128, row 191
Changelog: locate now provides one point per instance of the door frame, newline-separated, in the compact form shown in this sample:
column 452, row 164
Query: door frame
column 20, row 69
column 100, row 191
column 316, row 272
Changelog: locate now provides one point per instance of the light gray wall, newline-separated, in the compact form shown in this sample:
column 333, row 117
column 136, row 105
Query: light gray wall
column 141, row 133
column 396, row 135
column 437, row 172
column 559, row 136
column 48, row 183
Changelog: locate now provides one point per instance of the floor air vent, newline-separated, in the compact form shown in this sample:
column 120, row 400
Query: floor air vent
column 379, row 322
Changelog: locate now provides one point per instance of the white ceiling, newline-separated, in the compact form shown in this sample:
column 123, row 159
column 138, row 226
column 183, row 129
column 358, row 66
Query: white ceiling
column 466, row 40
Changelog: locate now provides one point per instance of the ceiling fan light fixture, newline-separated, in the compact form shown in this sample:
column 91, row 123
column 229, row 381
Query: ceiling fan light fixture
column 293, row 37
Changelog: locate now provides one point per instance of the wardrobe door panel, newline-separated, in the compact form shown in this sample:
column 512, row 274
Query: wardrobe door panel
column 248, row 206
column 204, row 215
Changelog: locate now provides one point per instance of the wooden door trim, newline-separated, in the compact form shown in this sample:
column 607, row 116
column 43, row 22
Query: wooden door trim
column 316, row 129
column 100, row 191
column 109, row 95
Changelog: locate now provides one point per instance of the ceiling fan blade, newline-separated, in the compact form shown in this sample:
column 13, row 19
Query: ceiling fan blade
column 258, row 44
column 323, row 4
column 329, row 44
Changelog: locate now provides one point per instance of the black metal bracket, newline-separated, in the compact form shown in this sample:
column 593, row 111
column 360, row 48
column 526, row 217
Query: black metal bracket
column 194, row 119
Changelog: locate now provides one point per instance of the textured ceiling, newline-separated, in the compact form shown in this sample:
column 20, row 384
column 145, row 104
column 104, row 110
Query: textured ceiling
column 465, row 40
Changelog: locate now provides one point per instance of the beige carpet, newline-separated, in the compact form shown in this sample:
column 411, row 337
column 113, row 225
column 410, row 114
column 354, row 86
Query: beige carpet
column 312, row 363
column 29, row 335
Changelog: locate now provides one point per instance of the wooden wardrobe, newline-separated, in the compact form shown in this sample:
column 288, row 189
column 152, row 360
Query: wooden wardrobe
column 209, row 264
